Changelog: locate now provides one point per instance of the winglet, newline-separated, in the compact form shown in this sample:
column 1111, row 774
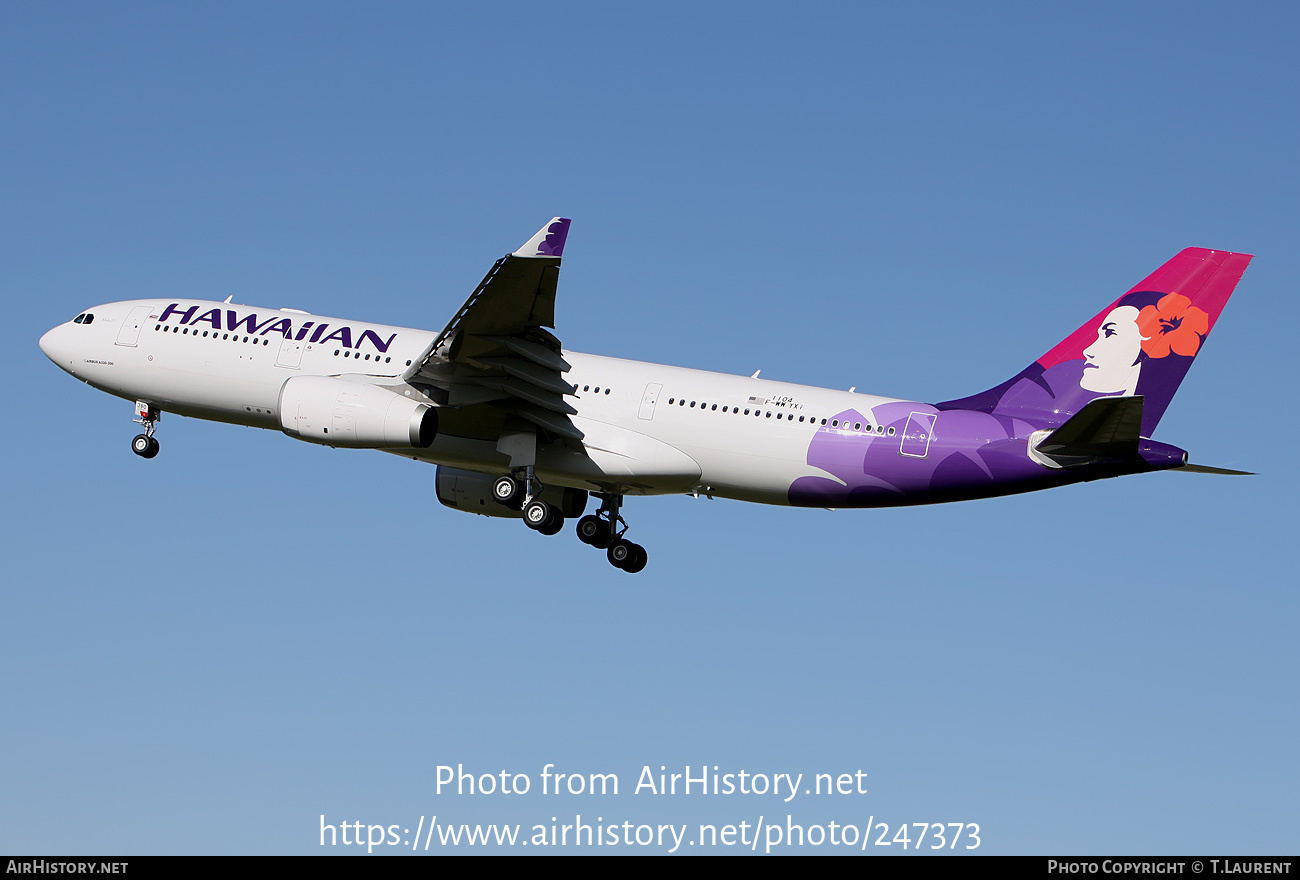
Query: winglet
column 549, row 240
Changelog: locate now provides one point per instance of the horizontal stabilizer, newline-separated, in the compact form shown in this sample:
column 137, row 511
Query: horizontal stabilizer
column 1107, row 428
column 1206, row 469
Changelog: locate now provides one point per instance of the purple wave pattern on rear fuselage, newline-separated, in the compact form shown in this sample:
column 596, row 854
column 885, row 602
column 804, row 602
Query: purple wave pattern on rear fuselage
column 967, row 455
column 1141, row 344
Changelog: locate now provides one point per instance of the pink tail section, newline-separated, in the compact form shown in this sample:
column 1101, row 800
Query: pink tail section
column 1207, row 278
column 1141, row 344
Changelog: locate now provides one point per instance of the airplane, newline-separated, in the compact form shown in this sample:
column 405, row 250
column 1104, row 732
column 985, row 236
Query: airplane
column 521, row 427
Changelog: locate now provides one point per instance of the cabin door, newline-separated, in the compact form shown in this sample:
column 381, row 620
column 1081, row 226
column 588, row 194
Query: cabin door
column 648, row 401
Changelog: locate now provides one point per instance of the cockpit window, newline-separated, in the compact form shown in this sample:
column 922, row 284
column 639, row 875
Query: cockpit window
column 83, row 318
column 89, row 318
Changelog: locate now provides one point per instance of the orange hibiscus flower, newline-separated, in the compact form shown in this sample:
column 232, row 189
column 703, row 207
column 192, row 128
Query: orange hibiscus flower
column 1173, row 324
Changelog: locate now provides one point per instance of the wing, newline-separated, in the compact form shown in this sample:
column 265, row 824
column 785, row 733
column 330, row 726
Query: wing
column 497, row 353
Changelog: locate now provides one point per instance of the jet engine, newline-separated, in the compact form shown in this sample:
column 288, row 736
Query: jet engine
column 471, row 492
column 339, row 412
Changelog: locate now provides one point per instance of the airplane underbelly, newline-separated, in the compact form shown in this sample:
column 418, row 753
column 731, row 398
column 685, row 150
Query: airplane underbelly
column 611, row 458
column 626, row 458
column 237, row 399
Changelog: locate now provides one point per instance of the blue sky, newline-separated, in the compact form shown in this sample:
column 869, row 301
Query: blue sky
column 206, row 652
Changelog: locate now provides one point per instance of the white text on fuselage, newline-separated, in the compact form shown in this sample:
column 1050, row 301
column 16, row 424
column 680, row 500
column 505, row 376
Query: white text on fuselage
column 229, row 319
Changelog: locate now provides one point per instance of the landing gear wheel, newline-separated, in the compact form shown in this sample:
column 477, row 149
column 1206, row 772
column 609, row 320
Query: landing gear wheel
column 627, row 556
column 540, row 516
column 594, row 531
column 554, row 524
column 619, row 552
column 144, row 446
column 509, row 491
column 638, row 560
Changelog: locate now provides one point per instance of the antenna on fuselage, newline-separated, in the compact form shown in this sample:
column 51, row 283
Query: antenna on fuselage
column 228, row 299
column 756, row 372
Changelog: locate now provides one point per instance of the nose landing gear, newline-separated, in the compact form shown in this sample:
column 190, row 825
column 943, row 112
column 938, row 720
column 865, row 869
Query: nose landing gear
column 144, row 445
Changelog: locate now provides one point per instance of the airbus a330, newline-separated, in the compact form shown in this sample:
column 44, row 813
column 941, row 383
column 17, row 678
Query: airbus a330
column 521, row 427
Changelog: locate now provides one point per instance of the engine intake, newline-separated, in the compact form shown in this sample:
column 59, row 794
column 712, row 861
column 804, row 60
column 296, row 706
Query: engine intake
column 340, row 412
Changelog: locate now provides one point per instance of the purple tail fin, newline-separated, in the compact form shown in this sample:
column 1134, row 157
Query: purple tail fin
column 1142, row 343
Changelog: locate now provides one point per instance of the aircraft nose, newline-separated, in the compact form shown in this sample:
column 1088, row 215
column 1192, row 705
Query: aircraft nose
column 54, row 344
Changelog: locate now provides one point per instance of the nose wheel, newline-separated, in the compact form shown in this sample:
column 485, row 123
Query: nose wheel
column 144, row 445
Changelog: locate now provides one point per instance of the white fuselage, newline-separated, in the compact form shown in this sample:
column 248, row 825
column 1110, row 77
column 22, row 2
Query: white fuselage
column 648, row 428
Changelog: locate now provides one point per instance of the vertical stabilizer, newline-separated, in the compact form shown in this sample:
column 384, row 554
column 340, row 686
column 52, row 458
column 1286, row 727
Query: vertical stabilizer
column 1141, row 344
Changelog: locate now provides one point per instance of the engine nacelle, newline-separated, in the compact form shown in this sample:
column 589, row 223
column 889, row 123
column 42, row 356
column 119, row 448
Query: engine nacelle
column 471, row 492
column 339, row 412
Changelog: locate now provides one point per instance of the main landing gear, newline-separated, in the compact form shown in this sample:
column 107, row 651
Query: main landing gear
column 144, row 445
column 519, row 492
column 604, row 530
